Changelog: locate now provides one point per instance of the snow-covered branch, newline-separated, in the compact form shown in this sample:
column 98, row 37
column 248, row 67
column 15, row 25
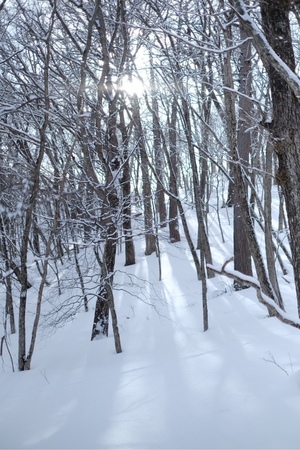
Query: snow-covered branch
column 265, row 50
column 246, row 280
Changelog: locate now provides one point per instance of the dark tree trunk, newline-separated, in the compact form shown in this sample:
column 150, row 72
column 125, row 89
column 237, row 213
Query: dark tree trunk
column 107, row 148
column 146, row 185
column 269, row 246
column 242, row 255
column 230, row 114
column 105, row 299
column 285, row 128
column 22, row 357
column 158, row 155
column 126, row 191
column 251, row 236
column 9, row 307
column 101, row 316
column 173, row 163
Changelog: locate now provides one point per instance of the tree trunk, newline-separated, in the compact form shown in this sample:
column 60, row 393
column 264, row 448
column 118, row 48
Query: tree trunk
column 251, row 236
column 146, row 185
column 105, row 298
column 9, row 306
column 101, row 316
column 270, row 256
column 173, row 163
column 285, row 128
column 242, row 255
column 35, row 180
column 126, row 194
column 158, row 155
column 230, row 114
column 202, row 243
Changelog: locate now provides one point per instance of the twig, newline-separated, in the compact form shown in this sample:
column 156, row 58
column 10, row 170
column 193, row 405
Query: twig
column 44, row 375
column 273, row 361
column 4, row 340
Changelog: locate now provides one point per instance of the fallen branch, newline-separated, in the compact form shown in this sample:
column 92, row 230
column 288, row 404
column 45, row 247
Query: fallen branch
column 245, row 280
column 273, row 361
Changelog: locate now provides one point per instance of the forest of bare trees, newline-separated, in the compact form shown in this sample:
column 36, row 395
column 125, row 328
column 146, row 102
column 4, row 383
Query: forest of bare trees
column 117, row 114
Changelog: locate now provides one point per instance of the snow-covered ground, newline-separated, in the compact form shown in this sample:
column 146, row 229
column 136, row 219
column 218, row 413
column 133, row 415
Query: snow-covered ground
column 236, row 386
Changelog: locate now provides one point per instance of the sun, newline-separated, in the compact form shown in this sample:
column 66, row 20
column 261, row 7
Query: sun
column 131, row 87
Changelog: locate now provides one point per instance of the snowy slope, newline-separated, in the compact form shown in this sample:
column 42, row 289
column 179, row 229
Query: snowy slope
column 235, row 386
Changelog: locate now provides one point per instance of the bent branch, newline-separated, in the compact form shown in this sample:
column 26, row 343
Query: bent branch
column 262, row 298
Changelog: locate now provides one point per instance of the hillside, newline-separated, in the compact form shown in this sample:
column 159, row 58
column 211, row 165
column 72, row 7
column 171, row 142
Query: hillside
column 174, row 386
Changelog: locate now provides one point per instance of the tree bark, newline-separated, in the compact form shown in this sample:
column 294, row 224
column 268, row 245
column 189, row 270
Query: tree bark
column 270, row 256
column 146, row 185
column 202, row 242
column 9, row 306
column 285, row 128
column 126, row 194
column 251, row 236
column 242, row 255
column 158, row 154
column 230, row 113
column 174, row 233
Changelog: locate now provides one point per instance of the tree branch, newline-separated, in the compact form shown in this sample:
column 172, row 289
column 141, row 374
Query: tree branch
column 262, row 298
column 265, row 50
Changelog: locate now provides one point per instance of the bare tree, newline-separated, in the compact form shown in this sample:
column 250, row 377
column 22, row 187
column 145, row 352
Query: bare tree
column 275, row 46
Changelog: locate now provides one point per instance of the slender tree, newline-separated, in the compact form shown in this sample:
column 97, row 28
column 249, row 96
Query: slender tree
column 242, row 255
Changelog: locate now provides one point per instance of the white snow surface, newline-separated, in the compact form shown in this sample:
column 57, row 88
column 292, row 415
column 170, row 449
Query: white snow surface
column 236, row 386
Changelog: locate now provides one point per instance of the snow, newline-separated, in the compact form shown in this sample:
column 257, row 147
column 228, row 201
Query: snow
column 173, row 386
